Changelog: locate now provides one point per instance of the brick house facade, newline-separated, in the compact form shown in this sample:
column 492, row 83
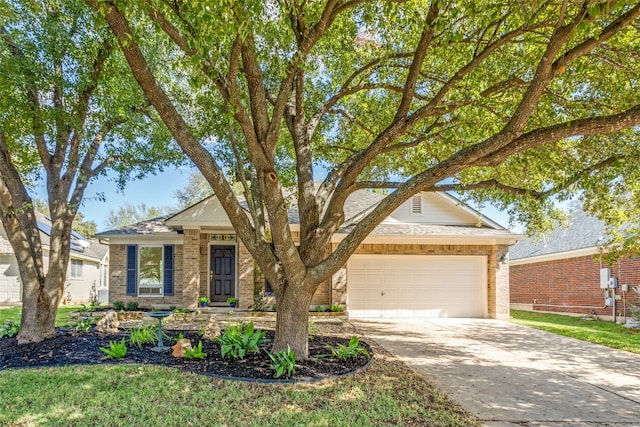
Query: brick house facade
column 561, row 273
column 199, row 235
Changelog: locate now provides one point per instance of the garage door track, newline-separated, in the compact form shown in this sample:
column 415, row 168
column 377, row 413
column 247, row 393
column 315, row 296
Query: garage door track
column 508, row 375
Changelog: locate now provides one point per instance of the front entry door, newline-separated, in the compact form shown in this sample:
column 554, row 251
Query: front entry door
column 223, row 273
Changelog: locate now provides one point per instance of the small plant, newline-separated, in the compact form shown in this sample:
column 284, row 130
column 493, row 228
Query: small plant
column 354, row 349
column 260, row 301
column 232, row 301
column 172, row 308
column 335, row 308
column 181, row 310
column 203, row 301
column 284, row 363
column 321, row 308
column 312, row 330
column 145, row 334
column 88, row 308
column 238, row 340
column 83, row 324
column 180, row 337
column 118, row 305
column 195, row 353
column 201, row 328
column 116, row 349
column 9, row 329
column 132, row 306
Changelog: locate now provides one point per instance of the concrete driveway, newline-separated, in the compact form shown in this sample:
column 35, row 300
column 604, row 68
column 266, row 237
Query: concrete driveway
column 508, row 375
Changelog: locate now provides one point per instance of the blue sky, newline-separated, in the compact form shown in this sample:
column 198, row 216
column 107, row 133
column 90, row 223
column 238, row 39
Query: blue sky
column 158, row 190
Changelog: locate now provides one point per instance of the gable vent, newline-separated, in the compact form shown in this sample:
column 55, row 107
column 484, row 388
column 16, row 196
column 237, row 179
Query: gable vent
column 416, row 205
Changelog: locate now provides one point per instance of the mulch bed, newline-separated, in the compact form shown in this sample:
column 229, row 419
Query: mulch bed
column 68, row 348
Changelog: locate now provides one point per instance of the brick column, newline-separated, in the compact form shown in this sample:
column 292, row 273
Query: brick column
column 191, row 268
column 502, row 282
column 245, row 277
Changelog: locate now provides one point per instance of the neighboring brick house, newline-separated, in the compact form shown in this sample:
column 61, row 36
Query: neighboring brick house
column 432, row 257
column 561, row 272
column 86, row 273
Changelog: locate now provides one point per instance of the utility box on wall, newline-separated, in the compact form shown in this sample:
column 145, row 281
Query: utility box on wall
column 605, row 275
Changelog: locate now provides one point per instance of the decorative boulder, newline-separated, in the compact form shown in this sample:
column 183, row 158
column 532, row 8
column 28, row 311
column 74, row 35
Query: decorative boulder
column 211, row 330
column 109, row 323
column 178, row 348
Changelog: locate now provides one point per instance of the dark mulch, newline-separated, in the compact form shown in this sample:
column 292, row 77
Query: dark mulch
column 84, row 348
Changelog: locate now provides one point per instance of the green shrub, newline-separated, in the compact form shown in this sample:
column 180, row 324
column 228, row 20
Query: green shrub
column 354, row 348
column 118, row 305
column 238, row 340
column 145, row 334
column 132, row 306
column 284, row 362
column 116, row 349
column 83, row 324
column 336, row 308
column 260, row 301
column 195, row 353
column 321, row 308
column 9, row 329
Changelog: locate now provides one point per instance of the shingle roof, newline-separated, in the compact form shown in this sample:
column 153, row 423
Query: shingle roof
column 407, row 229
column 94, row 250
column 357, row 203
column 583, row 231
column 151, row 226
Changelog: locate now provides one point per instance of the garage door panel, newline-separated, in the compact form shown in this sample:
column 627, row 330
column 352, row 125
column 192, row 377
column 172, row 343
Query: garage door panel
column 416, row 286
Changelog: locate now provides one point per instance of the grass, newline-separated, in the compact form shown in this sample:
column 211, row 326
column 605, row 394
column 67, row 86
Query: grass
column 62, row 318
column 596, row 331
column 386, row 394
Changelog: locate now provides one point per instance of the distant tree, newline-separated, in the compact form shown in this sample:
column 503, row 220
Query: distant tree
column 512, row 102
column 69, row 110
column 86, row 228
column 195, row 189
column 130, row 214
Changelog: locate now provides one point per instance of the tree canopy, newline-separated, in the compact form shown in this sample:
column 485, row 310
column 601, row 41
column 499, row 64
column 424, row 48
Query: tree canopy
column 516, row 103
column 69, row 110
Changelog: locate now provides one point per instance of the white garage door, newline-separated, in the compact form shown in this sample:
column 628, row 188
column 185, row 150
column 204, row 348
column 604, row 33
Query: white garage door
column 10, row 290
column 417, row 286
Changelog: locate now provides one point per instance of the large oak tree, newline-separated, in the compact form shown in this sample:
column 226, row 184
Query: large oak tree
column 514, row 102
column 69, row 111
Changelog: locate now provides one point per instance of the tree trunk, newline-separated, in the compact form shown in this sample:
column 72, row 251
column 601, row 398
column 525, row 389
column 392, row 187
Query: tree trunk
column 39, row 308
column 292, row 321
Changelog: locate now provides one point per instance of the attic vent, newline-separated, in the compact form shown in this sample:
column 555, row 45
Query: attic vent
column 416, row 205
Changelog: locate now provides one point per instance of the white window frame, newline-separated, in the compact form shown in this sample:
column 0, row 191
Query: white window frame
column 159, row 287
column 75, row 268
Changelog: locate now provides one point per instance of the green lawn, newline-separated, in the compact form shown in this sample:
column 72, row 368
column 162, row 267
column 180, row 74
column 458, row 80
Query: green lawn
column 595, row 331
column 62, row 317
column 386, row 394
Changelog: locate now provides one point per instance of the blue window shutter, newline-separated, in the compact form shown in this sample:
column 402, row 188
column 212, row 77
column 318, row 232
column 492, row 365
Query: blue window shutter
column 168, row 270
column 132, row 269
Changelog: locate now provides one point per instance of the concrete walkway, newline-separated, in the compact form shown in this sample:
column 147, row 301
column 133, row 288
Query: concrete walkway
column 508, row 375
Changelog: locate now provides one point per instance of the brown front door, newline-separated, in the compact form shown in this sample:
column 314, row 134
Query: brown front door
column 223, row 273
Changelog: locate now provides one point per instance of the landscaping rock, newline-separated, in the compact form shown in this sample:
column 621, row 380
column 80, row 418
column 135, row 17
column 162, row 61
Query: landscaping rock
column 211, row 330
column 178, row 348
column 109, row 323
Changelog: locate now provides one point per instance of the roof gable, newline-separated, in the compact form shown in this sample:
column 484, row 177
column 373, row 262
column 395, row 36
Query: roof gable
column 439, row 209
column 206, row 213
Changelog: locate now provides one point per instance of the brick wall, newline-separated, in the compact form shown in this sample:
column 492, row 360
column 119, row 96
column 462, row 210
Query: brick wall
column 570, row 285
column 191, row 272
